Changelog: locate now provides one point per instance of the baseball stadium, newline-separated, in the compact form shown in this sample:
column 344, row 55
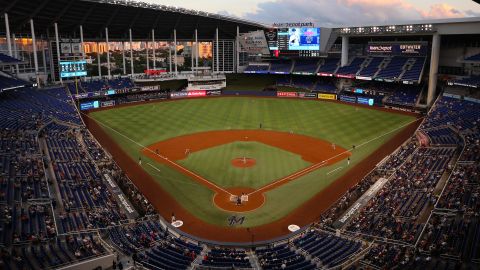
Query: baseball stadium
column 145, row 136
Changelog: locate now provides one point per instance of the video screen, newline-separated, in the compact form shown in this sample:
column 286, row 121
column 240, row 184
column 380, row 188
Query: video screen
column 90, row 105
column 73, row 69
column 304, row 39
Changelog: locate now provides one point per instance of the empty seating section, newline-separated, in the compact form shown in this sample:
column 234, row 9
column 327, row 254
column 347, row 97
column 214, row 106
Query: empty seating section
column 396, row 68
column 93, row 86
column 404, row 96
column 305, row 66
column 414, row 72
column 393, row 69
column 275, row 257
column 20, row 106
column 8, row 59
column 443, row 136
column 325, row 86
column 229, row 258
column 371, row 68
column 352, row 68
column 475, row 57
column 330, row 65
column 252, row 68
column 472, row 81
column 329, row 249
column 281, row 67
column 8, row 82
column 460, row 114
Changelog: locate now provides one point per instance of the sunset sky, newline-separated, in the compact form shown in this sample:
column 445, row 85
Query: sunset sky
column 333, row 12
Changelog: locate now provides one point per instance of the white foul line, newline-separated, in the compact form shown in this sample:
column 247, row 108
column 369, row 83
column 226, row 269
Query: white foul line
column 334, row 170
column 157, row 169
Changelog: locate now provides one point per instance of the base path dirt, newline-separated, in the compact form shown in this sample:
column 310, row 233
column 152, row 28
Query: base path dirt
column 308, row 212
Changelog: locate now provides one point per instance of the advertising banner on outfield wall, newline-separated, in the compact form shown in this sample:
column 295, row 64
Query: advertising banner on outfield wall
column 327, row 96
column 197, row 93
column 214, row 93
column 287, row 94
column 348, row 99
column 310, row 95
column 178, row 94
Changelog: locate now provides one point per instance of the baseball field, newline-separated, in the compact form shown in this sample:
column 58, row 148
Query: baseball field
column 292, row 158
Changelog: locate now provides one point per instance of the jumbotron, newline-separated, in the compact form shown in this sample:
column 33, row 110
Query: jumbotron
column 143, row 136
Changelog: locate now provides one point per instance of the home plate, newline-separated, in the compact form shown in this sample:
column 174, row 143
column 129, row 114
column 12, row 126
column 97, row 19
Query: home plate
column 293, row 228
column 177, row 223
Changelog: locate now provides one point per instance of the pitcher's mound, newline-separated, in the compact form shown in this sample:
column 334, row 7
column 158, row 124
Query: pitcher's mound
column 243, row 162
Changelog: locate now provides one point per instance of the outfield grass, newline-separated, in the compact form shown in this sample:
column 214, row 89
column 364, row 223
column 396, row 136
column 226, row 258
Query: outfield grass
column 272, row 164
column 342, row 124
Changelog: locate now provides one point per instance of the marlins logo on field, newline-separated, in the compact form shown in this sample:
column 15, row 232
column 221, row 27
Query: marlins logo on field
column 235, row 220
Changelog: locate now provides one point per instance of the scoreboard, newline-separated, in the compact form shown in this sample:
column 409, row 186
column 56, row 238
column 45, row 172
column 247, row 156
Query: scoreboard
column 296, row 41
column 70, row 69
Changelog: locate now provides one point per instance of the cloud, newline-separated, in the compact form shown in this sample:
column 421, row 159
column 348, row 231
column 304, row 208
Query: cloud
column 349, row 12
column 439, row 11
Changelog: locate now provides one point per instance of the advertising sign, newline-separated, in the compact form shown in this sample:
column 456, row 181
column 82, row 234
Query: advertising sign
column 89, row 105
column 254, row 43
column 348, row 99
column 196, row 93
column 327, row 96
column 287, row 94
column 410, row 49
column 365, row 101
column 178, row 94
column 325, row 74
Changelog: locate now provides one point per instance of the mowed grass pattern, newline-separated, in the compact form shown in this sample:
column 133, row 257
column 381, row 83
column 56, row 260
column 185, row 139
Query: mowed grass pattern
column 272, row 163
column 341, row 124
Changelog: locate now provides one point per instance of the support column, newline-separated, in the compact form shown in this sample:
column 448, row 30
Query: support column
column 191, row 56
column 196, row 48
column 15, row 53
column 131, row 51
column 57, row 42
column 217, row 64
column 7, row 28
column 44, row 59
column 82, row 48
column 344, row 60
column 146, row 46
column 175, row 50
column 99, row 61
column 237, row 50
column 223, row 56
column 153, row 50
column 170, row 58
column 35, row 57
column 432, row 78
column 108, row 54
column 123, row 58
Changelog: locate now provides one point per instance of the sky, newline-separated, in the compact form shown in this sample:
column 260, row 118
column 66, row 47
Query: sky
column 333, row 12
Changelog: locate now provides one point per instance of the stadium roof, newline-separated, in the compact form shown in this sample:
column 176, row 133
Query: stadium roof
column 119, row 16
column 428, row 21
